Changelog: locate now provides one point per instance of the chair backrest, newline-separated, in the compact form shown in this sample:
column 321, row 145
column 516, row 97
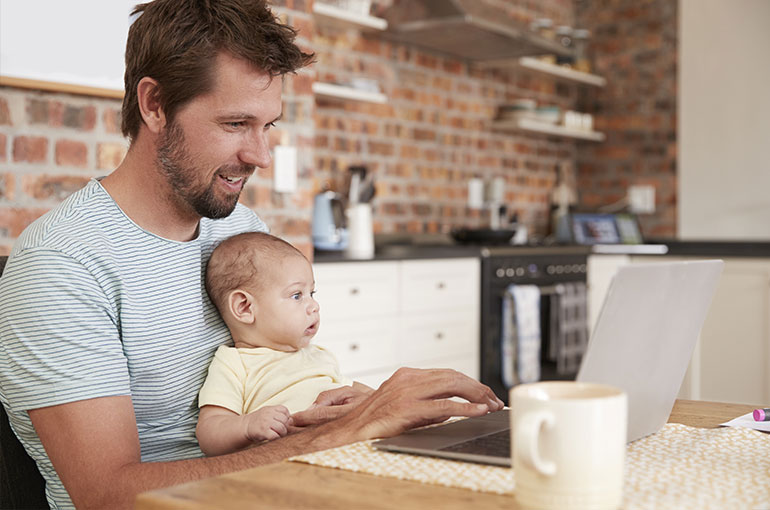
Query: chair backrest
column 21, row 485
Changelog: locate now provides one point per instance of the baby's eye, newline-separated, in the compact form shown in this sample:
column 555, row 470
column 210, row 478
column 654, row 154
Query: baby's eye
column 313, row 293
column 296, row 296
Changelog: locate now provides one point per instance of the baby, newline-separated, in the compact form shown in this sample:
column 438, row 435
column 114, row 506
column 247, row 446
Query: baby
column 263, row 288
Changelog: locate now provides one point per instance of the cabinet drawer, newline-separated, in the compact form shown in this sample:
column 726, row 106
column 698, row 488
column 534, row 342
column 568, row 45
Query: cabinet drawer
column 434, row 285
column 372, row 379
column 468, row 365
column 360, row 346
column 436, row 335
column 356, row 290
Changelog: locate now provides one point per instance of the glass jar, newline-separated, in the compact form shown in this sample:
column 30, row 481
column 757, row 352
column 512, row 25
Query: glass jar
column 564, row 36
column 544, row 27
column 580, row 42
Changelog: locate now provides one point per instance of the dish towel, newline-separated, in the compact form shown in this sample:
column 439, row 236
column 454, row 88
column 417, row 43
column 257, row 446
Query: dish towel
column 568, row 326
column 520, row 335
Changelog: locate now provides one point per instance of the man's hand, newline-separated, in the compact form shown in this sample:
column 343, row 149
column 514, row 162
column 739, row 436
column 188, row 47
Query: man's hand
column 330, row 405
column 412, row 398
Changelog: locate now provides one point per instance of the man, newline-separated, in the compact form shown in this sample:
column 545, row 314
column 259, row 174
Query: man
column 105, row 329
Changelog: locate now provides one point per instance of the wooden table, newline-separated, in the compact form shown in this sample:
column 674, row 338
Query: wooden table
column 293, row 485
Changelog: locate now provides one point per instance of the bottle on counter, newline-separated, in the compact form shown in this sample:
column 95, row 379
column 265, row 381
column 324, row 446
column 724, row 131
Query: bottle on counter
column 563, row 201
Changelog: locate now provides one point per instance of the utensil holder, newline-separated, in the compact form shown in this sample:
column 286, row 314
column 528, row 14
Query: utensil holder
column 360, row 232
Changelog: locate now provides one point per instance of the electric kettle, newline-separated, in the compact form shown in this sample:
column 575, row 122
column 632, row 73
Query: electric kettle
column 329, row 228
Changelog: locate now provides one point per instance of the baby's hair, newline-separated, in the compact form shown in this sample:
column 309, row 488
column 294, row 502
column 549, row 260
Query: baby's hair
column 239, row 261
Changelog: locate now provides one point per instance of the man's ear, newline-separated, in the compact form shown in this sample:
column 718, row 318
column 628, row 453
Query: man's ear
column 148, row 97
column 242, row 306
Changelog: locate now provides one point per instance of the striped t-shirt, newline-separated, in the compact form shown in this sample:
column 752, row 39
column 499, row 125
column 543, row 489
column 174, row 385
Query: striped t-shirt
column 92, row 305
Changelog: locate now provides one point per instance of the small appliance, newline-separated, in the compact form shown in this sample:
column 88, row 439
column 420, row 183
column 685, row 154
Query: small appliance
column 329, row 228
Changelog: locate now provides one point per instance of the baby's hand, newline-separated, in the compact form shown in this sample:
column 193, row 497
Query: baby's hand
column 267, row 423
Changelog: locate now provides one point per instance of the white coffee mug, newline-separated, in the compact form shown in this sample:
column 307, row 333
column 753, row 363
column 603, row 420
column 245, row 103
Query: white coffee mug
column 569, row 445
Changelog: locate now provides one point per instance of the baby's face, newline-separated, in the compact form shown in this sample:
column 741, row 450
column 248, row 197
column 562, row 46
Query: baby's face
column 287, row 316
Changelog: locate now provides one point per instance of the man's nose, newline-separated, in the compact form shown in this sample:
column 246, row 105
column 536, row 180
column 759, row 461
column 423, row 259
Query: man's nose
column 256, row 151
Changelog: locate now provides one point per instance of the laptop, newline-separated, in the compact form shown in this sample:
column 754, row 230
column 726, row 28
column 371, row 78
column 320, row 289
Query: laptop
column 642, row 343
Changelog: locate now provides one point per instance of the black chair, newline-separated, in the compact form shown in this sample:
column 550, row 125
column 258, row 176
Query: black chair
column 21, row 485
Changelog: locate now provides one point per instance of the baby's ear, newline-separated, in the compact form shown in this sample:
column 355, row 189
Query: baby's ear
column 241, row 306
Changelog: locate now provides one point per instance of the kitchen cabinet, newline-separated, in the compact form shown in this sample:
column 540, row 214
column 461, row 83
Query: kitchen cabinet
column 600, row 271
column 731, row 362
column 377, row 316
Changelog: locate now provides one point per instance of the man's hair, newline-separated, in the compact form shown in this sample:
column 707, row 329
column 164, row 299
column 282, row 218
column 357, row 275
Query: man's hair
column 176, row 43
column 244, row 261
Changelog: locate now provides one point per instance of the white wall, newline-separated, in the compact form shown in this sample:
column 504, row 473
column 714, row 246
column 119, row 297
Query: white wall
column 724, row 119
column 79, row 42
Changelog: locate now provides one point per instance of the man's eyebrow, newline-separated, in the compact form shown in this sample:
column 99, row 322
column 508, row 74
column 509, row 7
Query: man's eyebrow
column 244, row 116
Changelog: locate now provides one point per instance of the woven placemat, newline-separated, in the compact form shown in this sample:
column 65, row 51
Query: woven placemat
column 678, row 467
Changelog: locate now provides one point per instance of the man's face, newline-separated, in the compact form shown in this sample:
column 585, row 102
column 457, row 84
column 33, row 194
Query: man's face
column 287, row 315
column 217, row 140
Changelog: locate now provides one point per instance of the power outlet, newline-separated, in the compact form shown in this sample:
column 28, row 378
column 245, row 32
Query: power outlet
column 641, row 199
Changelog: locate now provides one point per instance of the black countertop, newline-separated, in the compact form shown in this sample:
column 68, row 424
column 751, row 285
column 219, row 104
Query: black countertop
column 713, row 248
column 445, row 251
column 672, row 247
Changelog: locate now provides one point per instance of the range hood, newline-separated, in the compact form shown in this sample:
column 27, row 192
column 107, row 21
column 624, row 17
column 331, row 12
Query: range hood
column 469, row 29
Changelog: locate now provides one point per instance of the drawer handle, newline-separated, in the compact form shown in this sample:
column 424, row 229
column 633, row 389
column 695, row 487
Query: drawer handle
column 354, row 291
column 441, row 285
column 353, row 347
column 439, row 335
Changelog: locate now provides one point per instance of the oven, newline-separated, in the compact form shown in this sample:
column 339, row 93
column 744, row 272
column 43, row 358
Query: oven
column 508, row 276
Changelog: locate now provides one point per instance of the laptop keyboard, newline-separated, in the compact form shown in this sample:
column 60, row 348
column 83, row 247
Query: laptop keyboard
column 497, row 444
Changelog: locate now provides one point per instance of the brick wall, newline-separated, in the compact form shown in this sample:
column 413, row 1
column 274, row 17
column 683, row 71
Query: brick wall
column 434, row 134
column 423, row 145
column 634, row 44
column 50, row 146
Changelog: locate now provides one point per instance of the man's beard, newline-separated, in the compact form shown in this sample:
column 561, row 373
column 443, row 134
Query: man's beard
column 177, row 165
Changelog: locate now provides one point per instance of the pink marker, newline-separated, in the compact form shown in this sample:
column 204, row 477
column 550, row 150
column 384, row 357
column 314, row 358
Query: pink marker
column 761, row 414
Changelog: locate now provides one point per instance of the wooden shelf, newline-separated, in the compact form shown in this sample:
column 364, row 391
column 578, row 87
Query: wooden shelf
column 68, row 88
column 334, row 16
column 347, row 93
column 560, row 72
column 535, row 126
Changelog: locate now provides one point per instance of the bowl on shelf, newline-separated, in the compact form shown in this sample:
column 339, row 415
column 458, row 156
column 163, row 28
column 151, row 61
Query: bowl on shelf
column 549, row 114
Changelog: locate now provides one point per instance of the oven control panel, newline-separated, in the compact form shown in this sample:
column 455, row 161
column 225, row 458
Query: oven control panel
column 536, row 270
column 532, row 270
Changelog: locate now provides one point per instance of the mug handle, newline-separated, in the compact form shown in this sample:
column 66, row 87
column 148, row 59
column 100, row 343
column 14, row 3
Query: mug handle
column 526, row 439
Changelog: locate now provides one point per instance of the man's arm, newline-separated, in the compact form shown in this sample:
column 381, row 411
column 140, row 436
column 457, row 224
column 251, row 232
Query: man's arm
column 94, row 445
